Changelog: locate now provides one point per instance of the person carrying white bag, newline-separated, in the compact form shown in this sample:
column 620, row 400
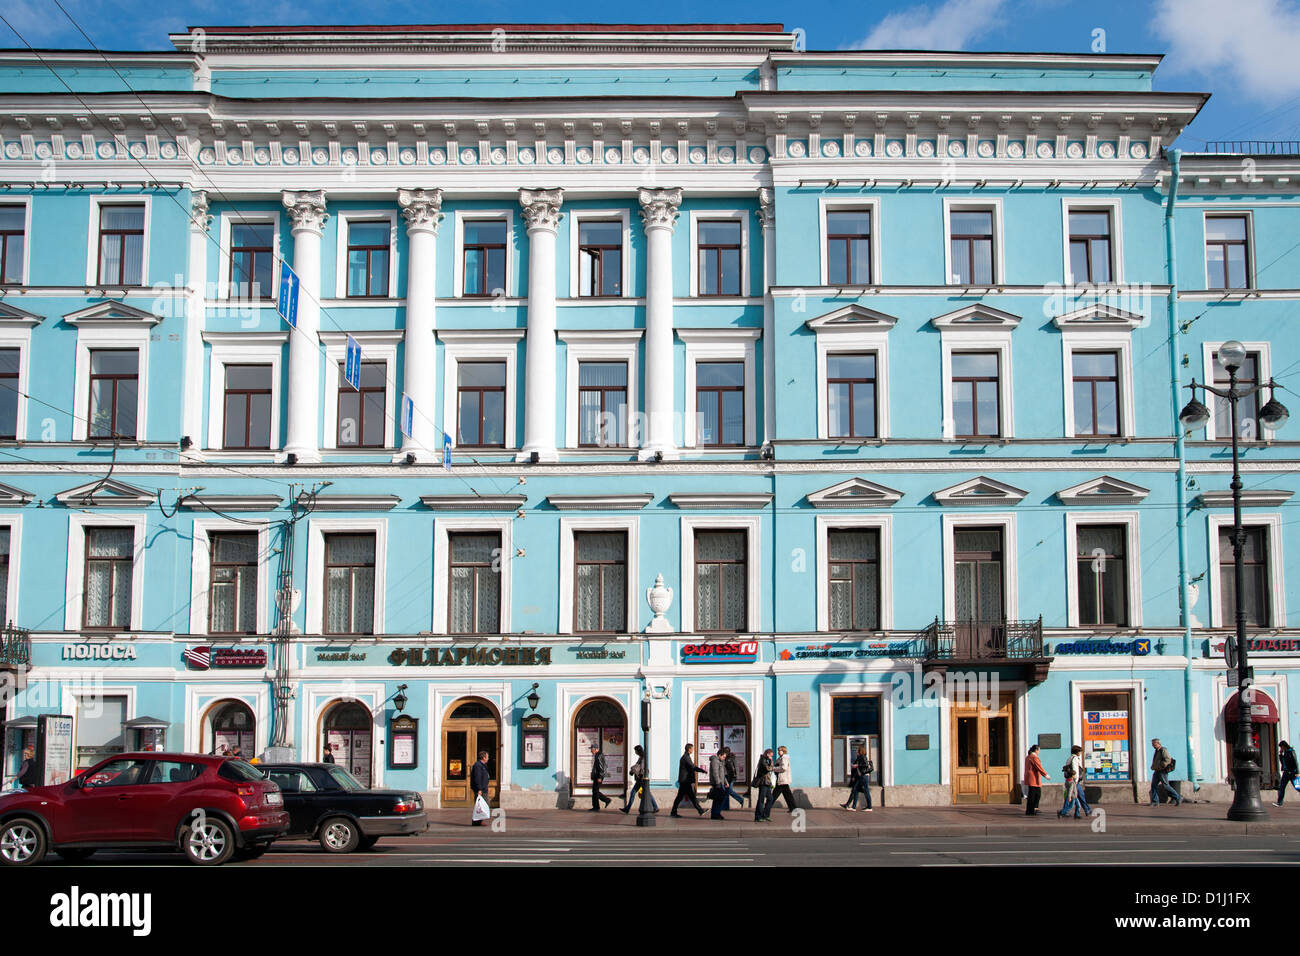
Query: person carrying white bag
column 478, row 782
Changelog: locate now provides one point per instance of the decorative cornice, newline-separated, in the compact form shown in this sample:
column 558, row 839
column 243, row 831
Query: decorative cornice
column 473, row 502
column 975, row 318
column 599, row 502
column 855, row 493
column 542, row 208
column 1250, row 498
column 734, row 501
column 108, row 493
column 421, row 208
column 11, row 315
column 659, row 207
column 219, row 504
column 1098, row 317
column 306, row 210
column 11, row 497
column 1104, row 490
column 852, row 318
column 980, row 491
column 111, row 313
column 350, row 502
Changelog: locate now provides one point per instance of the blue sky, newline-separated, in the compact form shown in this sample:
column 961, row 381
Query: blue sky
column 1245, row 52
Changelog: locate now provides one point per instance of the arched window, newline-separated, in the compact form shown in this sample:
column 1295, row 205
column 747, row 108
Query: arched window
column 723, row 722
column 233, row 729
column 348, row 732
column 603, row 724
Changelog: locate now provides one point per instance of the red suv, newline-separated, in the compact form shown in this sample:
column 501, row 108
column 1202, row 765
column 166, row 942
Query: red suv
column 210, row 808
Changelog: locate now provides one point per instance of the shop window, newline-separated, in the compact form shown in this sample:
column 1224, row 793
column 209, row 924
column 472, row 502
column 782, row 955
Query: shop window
column 723, row 722
column 348, row 731
column 855, row 722
column 1107, row 723
column 602, row 724
column 234, row 730
column 99, row 722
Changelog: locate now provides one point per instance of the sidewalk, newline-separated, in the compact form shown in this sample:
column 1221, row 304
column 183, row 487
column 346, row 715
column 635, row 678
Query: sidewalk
column 970, row 821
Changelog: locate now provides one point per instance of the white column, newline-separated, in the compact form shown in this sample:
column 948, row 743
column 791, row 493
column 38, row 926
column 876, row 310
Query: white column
column 307, row 212
column 659, row 211
column 195, row 317
column 766, row 213
column 422, row 210
column 542, row 216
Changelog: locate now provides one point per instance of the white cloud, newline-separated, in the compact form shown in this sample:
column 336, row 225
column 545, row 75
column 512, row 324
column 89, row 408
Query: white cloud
column 1250, row 44
column 950, row 26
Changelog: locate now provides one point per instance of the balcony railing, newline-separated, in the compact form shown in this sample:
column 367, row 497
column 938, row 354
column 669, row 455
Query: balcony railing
column 982, row 640
column 15, row 646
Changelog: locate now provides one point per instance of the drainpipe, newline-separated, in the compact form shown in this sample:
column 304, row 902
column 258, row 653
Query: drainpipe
column 1175, row 391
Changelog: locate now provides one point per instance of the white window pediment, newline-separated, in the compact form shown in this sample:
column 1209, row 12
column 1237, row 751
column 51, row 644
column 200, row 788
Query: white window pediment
column 108, row 494
column 11, row 497
column 1098, row 317
column 1103, row 490
column 975, row 317
column 980, row 491
column 852, row 318
column 12, row 315
column 1250, row 498
column 111, row 313
column 855, row 493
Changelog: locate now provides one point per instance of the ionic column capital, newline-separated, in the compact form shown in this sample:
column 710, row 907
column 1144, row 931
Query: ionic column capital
column 421, row 208
column 542, row 208
column 659, row 207
column 306, row 210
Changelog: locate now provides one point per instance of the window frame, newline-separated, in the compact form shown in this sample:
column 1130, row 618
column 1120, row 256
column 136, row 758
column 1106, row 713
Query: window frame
column 228, row 222
column 458, row 259
column 720, row 345
column 481, row 391
column 1272, row 523
column 200, row 569
column 451, row 566
column 974, row 381
column 1263, row 369
column 226, row 392
column 325, row 585
column 342, row 243
column 24, row 277
column 871, row 207
column 753, row 577
column 443, row 528
column 883, row 525
column 93, row 247
column 1131, row 524
column 993, row 206
column 242, row 348
column 852, row 330
column 74, row 604
column 379, row 346
column 1010, row 563
column 109, row 333
column 317, row 529
column 601, row 346
column 481, row 345
column 718, row 391
column 576, row 218
column 577, row 564
column 977, row 328
column 213, row 565
column 14, row 524
column 116, row 379
column 1114, row 207
column 1248, row 216
column 741, row 216
column 631, row 528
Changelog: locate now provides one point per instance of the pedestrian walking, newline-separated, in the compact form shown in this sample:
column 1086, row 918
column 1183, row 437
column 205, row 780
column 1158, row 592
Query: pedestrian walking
column 599, row 771
column 1161, row 765
column 1286, row 761
column 1034, row 776
column 763, row 781
column 686, row 771
column 860, row 779
column 717, row 784
column 329, row 754
column 782, row 768
column 640, row 776
column 479, row 779
column 29, row 773
column 1073, row 771
column 732, row 773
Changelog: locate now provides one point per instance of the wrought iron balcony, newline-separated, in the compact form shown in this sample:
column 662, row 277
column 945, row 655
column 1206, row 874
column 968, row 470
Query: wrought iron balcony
column 15, row 646
column 989, row 641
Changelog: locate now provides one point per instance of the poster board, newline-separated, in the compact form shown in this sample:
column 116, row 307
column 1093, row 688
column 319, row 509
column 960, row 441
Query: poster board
column 1106, row 754
column 54, row 746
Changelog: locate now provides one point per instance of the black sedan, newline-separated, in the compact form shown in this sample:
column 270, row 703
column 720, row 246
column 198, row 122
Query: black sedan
column 328, row 804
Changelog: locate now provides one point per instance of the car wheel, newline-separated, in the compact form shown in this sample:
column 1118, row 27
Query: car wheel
column 75, row 855
column 22, row 843
column 367, row 843
column 339, row 835
column 209, row 842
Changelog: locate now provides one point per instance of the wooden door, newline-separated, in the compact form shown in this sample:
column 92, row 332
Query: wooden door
column 983, row 753
column 461, row 742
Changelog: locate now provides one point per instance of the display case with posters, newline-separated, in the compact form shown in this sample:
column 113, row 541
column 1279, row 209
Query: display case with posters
column 54, row 748
column 535, row 741
column 1106, row 744
column 403, row 742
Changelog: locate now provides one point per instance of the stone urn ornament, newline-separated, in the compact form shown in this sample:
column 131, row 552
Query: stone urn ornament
column 660, row 599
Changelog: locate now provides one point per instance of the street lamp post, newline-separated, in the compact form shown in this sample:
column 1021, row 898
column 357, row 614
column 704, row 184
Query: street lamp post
column 644, row 818
column 1246, row 770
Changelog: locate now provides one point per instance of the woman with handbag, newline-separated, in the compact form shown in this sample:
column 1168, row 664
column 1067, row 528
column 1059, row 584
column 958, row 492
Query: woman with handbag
column 639, row 773
column 860, row 782
column 1073, row 771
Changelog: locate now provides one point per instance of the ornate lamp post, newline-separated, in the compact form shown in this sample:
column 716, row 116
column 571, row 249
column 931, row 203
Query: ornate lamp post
column 1246, row 770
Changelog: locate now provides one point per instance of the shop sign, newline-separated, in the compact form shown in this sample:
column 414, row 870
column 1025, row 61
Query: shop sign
column 509, row 656
column 1140, row 647
column 1260, row 645
column 842, row 652
column 324, row 656
column 729, row 652
column 599, row 654
column 99, row 652
column 1105, row 744
column 201, row 658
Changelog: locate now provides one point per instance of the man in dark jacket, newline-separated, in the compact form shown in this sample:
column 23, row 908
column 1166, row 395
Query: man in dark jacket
column 599, row 770
column 763, row 781
column 479, row 779
column 686, row 771
column 718, row 784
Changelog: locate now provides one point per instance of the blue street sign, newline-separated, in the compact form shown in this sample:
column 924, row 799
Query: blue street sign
column 287, row 305
column 352, row 363
column 408, row 415
column 446, row 451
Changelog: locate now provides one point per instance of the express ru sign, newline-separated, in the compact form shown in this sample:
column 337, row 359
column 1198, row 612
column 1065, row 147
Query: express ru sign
column 725, row 652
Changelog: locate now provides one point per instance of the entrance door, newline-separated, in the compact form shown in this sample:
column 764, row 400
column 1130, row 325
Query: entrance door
column 977, row 589
column 722, row 721
column 983, row 767
column 471, row 728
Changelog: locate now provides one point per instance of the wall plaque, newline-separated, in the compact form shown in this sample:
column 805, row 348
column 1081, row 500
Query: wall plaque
column 1049, row 741
column 918, row 741
column 798, row 708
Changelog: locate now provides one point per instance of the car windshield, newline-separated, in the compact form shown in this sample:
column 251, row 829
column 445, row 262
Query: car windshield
column 344, row 779
column 240, row 770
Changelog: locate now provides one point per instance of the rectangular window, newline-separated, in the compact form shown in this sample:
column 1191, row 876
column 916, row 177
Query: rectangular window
column 721, row 581
column 368, row 259
column 114, row 387
column 975, row 403
column 361, row 412
column 848, row 248
column 1255, row 590
column 481, row 404
column 851, row 395
column 1247, row 406
column 99, row 720
column 485, row 257
column 600, row 258
column 349, row 583
column 13, row 241
column 4, row 575
column 719, row 262
column 1227, row 256
column 602, row 402
column 1090, row 259
column 248, row 406
column 10, row 363
column 600, row 582
column 1096, row 394
column 854, row 579
column 855, row 722
column 720, row 403
column 970, row 233
column 109, row 566
column 232, row 583
column 1107, row 734
column 121, row 245
column 252, row 261
column 475, row 586
column 1102, row 570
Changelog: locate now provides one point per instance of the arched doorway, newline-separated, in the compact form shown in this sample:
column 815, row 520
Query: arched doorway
column 1264, row 718
column 471, row 726
column 348, row 730
column 231, row 726
column 603, row 723
column 722, row 722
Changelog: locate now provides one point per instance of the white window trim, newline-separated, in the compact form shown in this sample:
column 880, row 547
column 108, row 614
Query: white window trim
column 1086, row 340
column 317, row 528
column 868, row 205
column 576, row 218
column 834, row 341
column 241, row 348
column 19, row 336
column 200, row 699
column 1249, row 216
column 443, row 528
column 74, row 593
column 71, row 695
column 962, row 339
column 1275, row 686
column 753, row 582
column 825, row 694
column 26, row 203
column 478, row 346
column 1265, row 372
column 612, row 346
column 883, row 525
column 228, row 222
column 719, row 345
column 999, row 257
column 15, row 525
column 345, row 220
column 458, row 257
column 568, row 526
column 375, row 347
column 92, row 243
column 1276, row 585
column 108, row 334
column 714, row 215
column 1132, row 562
column 1136, row 689
column 1113, row 208
column 1010, row 564
column 318, row 699
column 201, row 565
